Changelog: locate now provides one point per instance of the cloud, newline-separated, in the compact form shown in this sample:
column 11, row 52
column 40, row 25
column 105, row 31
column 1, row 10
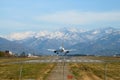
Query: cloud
column 11, row 23
column 74, row 17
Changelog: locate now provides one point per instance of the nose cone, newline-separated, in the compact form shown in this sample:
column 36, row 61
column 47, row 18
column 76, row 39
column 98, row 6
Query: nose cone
column 62, row 49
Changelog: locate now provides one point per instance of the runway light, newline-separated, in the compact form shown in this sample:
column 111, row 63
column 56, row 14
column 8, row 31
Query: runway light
column 69, row 77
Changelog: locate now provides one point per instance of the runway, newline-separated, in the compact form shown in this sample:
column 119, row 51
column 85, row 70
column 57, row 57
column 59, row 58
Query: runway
column 59, row 60
column 63, row 59
column 66, row 60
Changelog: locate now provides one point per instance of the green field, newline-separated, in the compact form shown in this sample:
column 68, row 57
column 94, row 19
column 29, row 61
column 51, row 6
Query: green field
column 103, row 71
column 16, row 59
column 25, row 71
column 36, row 71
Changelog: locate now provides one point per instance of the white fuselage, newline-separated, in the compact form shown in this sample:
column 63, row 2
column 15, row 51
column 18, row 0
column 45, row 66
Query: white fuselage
column 61, row 49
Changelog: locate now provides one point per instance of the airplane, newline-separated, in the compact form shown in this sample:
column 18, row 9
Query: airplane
column 61, row 50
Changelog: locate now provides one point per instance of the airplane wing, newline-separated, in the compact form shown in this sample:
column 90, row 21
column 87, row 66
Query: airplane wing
column 51, row 50
column 71, row 50
column 67, row 51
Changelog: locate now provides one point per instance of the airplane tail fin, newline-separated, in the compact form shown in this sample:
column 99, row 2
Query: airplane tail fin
column 62, row 44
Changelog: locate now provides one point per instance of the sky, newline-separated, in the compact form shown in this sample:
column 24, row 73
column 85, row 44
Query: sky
column 38, row 15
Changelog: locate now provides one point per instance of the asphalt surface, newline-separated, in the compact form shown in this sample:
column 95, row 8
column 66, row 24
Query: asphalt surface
column 63, row 59
column 61, row 72
column 59, row 59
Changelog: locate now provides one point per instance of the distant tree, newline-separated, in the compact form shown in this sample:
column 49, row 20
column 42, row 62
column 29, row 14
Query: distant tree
column 23, row 54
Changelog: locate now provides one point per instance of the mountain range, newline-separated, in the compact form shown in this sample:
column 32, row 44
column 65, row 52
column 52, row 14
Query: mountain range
column 103, row 41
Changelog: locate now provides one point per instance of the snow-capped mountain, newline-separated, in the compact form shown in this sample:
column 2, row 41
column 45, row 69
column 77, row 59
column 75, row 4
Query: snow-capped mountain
column 64, row 32
column 96, row 41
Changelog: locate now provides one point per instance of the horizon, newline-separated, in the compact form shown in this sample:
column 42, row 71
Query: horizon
column 45, row 15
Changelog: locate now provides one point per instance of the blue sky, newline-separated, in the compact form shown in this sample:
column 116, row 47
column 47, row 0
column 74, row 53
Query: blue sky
column 37, row 15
